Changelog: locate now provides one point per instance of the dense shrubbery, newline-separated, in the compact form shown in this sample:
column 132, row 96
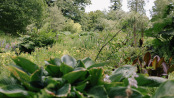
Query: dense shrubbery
column 72, row 27
column 35, row 40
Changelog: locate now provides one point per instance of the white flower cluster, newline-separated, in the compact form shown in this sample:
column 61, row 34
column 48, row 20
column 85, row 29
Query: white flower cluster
column 132, row 81
column 107, row 78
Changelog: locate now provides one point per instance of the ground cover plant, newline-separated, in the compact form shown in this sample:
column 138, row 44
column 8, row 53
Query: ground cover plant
column 68, row 77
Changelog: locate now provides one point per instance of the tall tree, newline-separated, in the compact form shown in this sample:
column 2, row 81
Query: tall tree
column 16, row 15
column 136, row 6
column 162, row 18
column 115, row 4
column 73, row 9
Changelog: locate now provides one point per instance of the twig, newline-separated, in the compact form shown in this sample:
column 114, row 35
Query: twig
column 108, row 42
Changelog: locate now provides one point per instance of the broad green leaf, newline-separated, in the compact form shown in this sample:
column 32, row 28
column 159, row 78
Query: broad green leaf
column 75, row 75
column 36, row 79
column 15, row 91
column 80, row 64
column 53, row 70
column 55, row 61
column 25, row 64
column 81, row 87
column 68, row 60
column 19, row 74
column 98, row 92
column 165, row 90
column 65, row 68
column 97, row 65
column 64, row 91
column 96, row 76
column 88, row 62
column 120, row 73
column 113, row 84
column 148, row 81
column 120, row 92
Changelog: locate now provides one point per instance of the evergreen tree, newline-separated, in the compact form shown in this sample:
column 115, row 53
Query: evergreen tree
column 116, row 4
column 136, row 6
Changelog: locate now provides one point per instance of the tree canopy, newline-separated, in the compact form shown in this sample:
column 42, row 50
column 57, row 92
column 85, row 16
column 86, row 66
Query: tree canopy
column 17, row 14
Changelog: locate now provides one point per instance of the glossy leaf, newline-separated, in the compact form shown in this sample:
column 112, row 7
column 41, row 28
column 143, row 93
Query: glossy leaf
column 160, row 62
column 96, row 76
column 25, row 64
column 88, row 62
column 15, row 91
column 120, row 92
column 65, row 68
column 63, row 91
column 98, row 92
column 147, row 58
column 154, row 63
column 148, row 81
column 120, row 73
column 68, row 60
column 53, row 70
column 36, row 79
column 97, row 65
column 55, row 61
column 19, row 74
column 80, row 64
column 81, row 87
column 71, row 77
column 165, row 90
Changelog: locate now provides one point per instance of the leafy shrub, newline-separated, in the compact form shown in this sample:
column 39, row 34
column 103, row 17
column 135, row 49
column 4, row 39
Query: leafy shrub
column 68, row 77
column 30, row 42
column 153, row 66
column 17, row 15
column 72, row 27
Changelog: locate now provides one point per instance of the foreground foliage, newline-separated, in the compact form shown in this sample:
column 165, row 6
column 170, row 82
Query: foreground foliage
column 68, row 77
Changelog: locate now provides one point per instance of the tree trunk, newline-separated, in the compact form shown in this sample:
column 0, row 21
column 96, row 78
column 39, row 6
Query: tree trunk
column 135, row 42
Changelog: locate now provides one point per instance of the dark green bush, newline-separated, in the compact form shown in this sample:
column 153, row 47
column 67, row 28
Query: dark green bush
column 30, row 42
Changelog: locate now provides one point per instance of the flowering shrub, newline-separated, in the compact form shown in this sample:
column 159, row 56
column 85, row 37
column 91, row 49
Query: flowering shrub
column 4, row 47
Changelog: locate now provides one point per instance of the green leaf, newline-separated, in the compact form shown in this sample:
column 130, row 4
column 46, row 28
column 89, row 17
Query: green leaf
column 97, row 65
column 64, row 91
column 80, row 64
column 25, row 64
column 55, row 61
column 120, row 73
column 96, row 76
column 81, row 87
column 98, row 92
column 68, row 60
column 36, row 79
column 165, row 90
column 120, row 92
column 88, row 62
column 19, row 74
column 65, row 68
column 113, row 84
column 53, row 70
column 75, row 75
column 15, row 91
column 148, row 81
